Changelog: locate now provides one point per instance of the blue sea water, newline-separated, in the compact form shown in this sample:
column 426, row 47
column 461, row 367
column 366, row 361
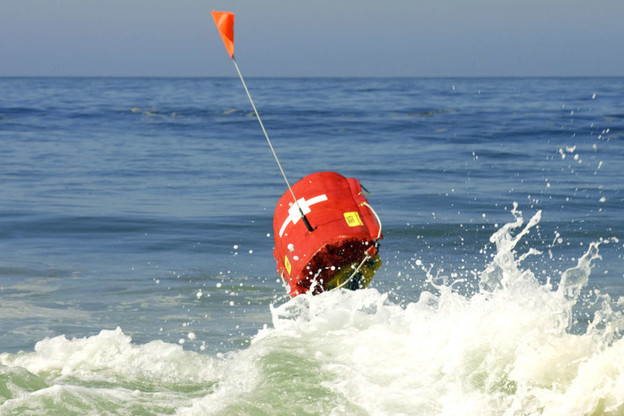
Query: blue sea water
column 136, row 268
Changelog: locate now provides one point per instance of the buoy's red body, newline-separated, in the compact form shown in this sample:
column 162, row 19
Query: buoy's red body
column 345, row 232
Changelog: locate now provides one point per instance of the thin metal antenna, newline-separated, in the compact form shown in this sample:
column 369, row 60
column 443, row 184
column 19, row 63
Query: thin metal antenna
column 303, row 217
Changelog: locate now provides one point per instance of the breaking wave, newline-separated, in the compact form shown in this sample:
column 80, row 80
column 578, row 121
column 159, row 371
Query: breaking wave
column 508, row 348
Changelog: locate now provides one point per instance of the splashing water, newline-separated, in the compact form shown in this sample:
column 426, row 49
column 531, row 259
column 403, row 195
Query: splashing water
column 506, row 349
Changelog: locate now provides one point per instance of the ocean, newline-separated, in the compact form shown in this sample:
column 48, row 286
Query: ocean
column 136, row 266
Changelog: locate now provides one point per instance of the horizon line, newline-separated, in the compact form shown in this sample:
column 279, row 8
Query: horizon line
column 313, row 76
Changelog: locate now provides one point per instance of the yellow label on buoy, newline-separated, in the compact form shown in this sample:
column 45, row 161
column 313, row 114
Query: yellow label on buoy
column 287, row 264
column 353, row 219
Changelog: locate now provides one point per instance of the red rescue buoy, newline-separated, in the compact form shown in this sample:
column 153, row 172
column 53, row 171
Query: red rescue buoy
column 341, row 249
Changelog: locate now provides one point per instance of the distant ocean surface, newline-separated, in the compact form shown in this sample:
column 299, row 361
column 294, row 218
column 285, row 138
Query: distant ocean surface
column 136, row 267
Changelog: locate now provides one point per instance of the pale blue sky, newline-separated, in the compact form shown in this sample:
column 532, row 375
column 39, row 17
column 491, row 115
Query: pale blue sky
column 313, row 38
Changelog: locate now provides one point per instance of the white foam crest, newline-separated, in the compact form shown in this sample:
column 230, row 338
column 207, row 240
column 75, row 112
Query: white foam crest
column 507, row 349
column 331, row 311
column 111, row 356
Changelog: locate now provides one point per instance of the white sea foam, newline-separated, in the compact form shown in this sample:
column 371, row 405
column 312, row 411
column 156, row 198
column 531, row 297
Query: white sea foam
column 101, row 374
column 111, row 353
column 507, row 349
column 511, row 348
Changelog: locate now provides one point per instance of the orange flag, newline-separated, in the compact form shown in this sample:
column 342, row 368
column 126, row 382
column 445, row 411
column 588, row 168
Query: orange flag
column 225, row 24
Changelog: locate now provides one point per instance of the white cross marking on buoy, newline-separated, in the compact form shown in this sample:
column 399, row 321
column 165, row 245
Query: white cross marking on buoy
column 293, row 212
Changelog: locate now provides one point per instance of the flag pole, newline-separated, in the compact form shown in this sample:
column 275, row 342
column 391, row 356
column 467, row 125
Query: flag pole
column 279, row 165
column 225, row 25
